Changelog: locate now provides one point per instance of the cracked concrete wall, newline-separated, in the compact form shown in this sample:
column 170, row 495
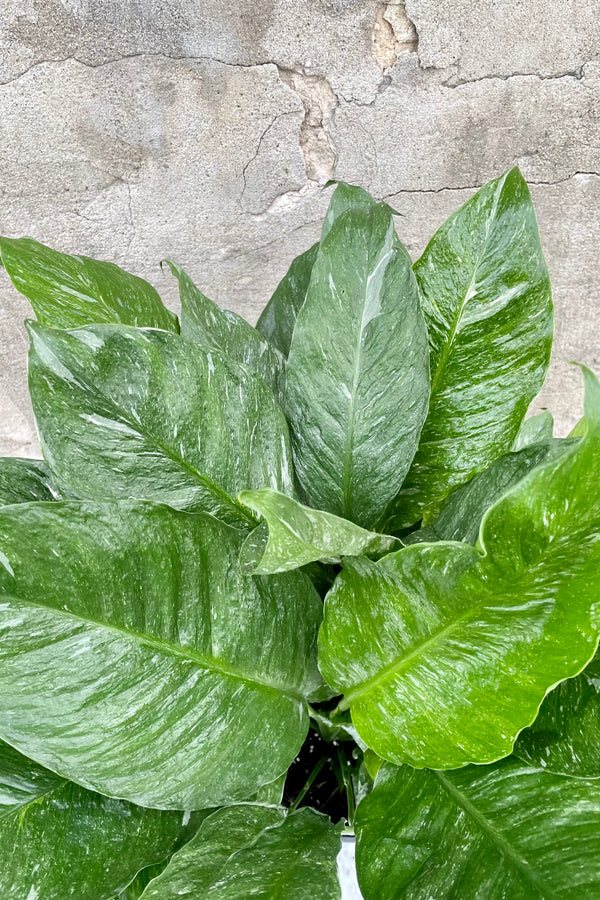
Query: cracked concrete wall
column 204, row 132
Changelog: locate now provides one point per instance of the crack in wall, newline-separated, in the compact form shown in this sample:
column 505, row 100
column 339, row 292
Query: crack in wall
column 314, row 91
column 476, row 187
column 316, row 144
column 576, row 74
column 142, row 55
column 247, row 206
column 320, row 103
column 254, row 156
column 393, row 34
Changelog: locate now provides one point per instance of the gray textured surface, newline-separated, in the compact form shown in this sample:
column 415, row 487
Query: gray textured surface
column 183, row 128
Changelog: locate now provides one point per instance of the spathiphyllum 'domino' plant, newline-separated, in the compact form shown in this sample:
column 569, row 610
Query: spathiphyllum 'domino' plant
column 270, row 585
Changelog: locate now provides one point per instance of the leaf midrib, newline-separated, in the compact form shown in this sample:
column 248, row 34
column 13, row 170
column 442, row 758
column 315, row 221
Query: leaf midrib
column 214, row 489
column 210, row 664
column 383, row 259
column 459, row 313
column 395, row 667
column 18, row 809
column 217, row 492
column 497, row 837
column 398, row 664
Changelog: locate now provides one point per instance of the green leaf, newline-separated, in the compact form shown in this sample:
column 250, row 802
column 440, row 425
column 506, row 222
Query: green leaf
column 445, row 651
column 487, row 303
column 461, row 515
column 357, row 378
column 501, row 832
column 293, row 535
column 70, row 291
column 372, row 763
column 535, row 430
column 220, row 836
column 136, row 660
column 24, row 480
column 252, row 851
column 278, row 318
column 206, row 323
column 271, row 794
column 345, row 197
column 565, row 737
column 135, row 890
column 579, row 429
column 60, row 841
column 125, row 412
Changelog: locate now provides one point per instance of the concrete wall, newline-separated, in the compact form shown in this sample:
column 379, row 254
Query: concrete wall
column 203, row 130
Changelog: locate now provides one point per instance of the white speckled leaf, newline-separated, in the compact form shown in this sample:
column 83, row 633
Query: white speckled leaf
column 135, row 890
column 565, row 737
column 445, row 651
column 136, row 660
column 357, row 379
column 535, row 430
column 125, row 412
column 500, row 832
column 252, row 851
column 293, row 535
column 348, row 196
column 61, row 842
column 69, row 291
column 278, row 318
column 24, row 480
column 206, row 323
column 460, row 516
column 487, row 304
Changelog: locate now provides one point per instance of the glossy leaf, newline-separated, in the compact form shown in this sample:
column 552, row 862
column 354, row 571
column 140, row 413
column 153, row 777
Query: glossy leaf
column 535, row 430
column 206, row 323
column 357, row 378
column 501, row 832
column 487, row 303
column 70, row 291
column 293, row 535
column 271, row 794
column 578, row 429
column 372, row 762
column 137, row 887
column 278, row 318
column 565, row 737
column 125, row 412
column 348, row 196
column 445, row 651
column 461, row 515
column 60, row 841
column 136, row 660
column 252, row 851
column 24, row 480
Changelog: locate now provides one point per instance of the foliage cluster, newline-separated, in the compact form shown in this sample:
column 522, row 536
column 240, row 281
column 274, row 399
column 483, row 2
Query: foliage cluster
column 336, row 523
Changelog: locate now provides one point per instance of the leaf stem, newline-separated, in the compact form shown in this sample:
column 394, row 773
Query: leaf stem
column 347, row 779
column 342, row 706
column 308, row 784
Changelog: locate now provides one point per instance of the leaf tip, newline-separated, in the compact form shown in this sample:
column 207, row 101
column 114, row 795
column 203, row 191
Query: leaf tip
column 174, row 267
